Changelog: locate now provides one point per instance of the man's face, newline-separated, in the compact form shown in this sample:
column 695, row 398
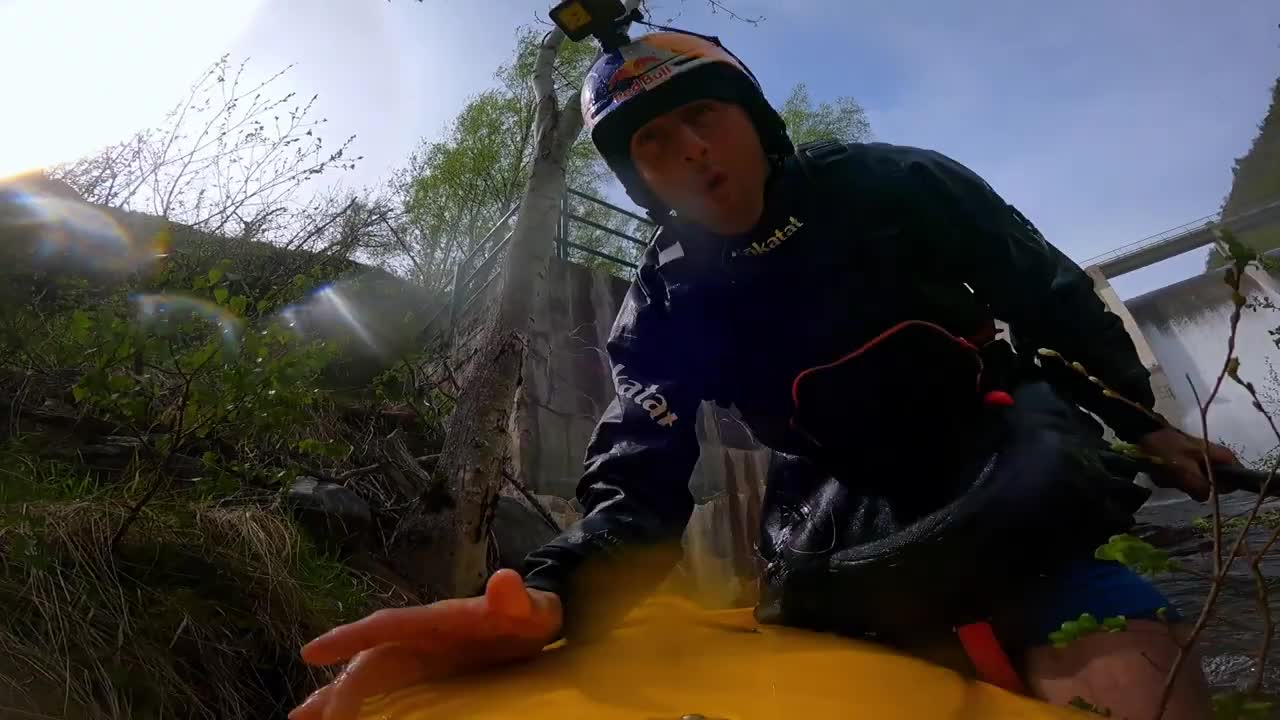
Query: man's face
column 705, row 161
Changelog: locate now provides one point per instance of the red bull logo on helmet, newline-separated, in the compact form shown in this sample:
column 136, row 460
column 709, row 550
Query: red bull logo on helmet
column 642, row 67
column 631, row 68
column 643, row 82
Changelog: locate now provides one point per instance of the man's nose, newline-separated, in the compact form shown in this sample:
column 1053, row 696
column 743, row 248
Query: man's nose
column 693, row 146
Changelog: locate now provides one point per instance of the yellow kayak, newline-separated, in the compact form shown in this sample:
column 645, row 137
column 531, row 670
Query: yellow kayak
column 671, row 660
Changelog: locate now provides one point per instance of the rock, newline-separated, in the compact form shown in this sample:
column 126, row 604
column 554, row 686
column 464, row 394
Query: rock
column 1234, row 672
column 113, row 452
column 1166, row 537
column 185, row 467
column 517, row 531
column 330, row 513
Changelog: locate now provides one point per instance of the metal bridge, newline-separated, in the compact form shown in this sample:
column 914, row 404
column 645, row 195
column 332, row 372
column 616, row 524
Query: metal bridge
column 1175, row 241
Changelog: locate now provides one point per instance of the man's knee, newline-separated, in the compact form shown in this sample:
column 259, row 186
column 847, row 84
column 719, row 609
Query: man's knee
column 1122, row 672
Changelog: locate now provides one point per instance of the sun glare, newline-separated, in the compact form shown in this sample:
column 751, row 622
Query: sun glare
column 82, row 74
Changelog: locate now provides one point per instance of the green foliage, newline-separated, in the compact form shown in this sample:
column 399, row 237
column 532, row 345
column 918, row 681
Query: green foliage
column 1269, row 519
column 26, row 478
column 1240, row 706
column 1080, row 703
column 843, row 120
column 1256, row 181
column 1086, row 624
column 1136, row 554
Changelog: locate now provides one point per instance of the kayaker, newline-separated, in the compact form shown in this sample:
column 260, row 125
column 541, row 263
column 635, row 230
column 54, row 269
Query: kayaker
column 929, row 486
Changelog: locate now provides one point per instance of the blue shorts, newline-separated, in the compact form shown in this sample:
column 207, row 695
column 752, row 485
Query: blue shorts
column 1101, row 588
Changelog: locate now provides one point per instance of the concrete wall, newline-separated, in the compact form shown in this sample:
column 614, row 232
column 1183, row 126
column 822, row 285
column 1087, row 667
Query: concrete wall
column 1167, row 403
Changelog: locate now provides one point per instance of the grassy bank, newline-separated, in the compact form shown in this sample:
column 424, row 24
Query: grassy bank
column 198, row 613
column 153, row 425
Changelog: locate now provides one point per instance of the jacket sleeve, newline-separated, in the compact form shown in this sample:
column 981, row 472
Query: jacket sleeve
column 635, row 488
column 1047, row 299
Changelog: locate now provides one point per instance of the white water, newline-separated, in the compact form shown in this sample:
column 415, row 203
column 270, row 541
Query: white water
column 1187, row 325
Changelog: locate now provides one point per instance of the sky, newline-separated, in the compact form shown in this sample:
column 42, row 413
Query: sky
column 1104, row 122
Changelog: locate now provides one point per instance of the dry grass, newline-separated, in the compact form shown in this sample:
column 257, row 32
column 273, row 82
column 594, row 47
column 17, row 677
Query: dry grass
column 199, row 614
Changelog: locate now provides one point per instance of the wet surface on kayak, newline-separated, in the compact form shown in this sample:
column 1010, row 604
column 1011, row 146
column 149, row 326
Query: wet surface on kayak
column 670, row 661
column 1231, row 641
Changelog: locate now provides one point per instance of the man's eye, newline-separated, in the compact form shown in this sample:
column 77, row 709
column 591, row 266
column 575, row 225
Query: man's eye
column 701, row 111
column 648, row 139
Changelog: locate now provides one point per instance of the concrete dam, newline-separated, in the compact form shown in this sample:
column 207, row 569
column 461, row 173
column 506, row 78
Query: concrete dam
column 1186, row 325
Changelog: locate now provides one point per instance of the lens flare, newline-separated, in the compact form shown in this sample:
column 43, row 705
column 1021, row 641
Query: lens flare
column 373, row 314
column 164, row 314
column 59, row 232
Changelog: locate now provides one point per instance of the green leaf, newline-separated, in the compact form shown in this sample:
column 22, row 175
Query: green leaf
column 238, row 304
column 1137, row 555
column 135, row 408
column 1236, row 705
column 81, row 326
column 163, row 443
column 120, row 383
column 263, row 306
column 80, row 392
column 215, row 275
column 220, row 295
column 1082, row 704
column 1115, row 624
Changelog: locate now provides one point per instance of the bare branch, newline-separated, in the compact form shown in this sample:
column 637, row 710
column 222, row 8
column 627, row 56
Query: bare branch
column 716, row 5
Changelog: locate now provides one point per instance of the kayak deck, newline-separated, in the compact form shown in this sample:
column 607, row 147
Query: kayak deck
column 670, row 660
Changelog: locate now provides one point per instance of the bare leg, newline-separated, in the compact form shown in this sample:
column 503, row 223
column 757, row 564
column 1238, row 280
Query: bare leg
column 1123, row 672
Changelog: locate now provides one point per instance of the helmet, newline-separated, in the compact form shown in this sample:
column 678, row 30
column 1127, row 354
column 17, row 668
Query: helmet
column 657, row 72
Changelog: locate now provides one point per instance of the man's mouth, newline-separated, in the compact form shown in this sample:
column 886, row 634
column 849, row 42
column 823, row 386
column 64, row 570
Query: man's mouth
column 716, row 180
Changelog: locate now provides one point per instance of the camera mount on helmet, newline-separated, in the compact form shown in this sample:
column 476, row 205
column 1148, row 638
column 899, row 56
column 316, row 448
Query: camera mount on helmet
column 606, row 20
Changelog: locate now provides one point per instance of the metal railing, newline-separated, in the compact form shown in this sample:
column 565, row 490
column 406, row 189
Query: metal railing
column 471, row 278
column 1139, row 245
column 1187, row 236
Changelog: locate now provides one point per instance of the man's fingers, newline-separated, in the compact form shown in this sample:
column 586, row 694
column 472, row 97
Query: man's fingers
column 313, row 707
column 506, row 595
column 373, row 672
column 1221, row 455
column 1193, row 482
column 423, row 626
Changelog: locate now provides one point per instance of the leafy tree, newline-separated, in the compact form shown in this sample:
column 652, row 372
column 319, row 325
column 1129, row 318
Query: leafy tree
column 843, row 120
column 457, row 188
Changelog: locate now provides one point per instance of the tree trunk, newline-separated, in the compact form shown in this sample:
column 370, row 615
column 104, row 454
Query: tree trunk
column 446, row 550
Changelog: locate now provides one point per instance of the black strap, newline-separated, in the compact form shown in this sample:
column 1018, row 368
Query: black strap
column 815, row 154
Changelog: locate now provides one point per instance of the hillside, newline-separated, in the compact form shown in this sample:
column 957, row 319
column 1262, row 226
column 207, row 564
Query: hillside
column 1256, row 179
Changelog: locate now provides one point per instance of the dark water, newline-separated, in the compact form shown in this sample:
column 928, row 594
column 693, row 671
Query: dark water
column 1231, row 641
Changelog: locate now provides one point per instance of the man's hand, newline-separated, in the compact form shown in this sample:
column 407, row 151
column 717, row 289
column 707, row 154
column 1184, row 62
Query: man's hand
column 1183, row 456
column 392, row 649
